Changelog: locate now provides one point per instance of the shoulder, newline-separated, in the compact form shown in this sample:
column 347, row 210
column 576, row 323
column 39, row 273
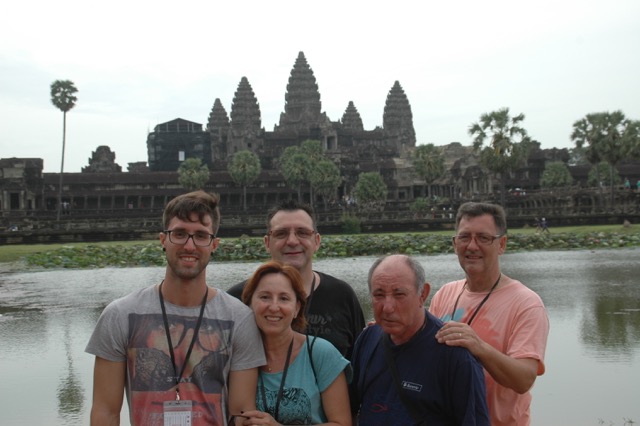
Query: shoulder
column 329, row 282
column 236, row 290
column 321, row 345
column 370, row 335
column 443, row 294
column 230, row 300
column 519, row 292
column 135, row 301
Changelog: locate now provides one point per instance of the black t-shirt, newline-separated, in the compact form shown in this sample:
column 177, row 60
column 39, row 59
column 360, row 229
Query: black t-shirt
column 334, row 314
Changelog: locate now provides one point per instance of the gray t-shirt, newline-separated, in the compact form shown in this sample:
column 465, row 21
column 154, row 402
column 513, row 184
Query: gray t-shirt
column 132, row 329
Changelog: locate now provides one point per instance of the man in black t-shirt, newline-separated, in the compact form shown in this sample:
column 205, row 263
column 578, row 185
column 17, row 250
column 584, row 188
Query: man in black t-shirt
column 333, row 310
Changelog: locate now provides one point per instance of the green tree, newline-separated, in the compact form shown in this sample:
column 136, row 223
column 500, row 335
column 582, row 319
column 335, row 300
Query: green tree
column 192, row 174
column 312, row 150
column 602, row 173
column 294, row 167
column 370, row 191
column 244, row 169
column 556, row 174
column 608, row 136
column 587, row 135
column 428, row 164
column 616, row 142
column 63, row 97
column 508, row 143
column 325, row 179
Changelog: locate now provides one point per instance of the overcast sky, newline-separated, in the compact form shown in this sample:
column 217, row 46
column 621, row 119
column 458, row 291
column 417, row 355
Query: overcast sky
column 138, row 63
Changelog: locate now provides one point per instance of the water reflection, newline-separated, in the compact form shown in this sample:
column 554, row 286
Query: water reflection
column 70, row 390
column 592, row 298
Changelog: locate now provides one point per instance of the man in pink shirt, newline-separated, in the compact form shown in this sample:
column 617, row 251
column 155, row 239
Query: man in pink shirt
column 501, row 321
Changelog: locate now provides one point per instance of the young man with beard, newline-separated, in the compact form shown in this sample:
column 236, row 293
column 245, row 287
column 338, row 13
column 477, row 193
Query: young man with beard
column 184, row 352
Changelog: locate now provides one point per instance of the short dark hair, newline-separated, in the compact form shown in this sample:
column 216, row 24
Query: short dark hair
column 418, row 271
column 274, row 267
column 200, row 202
column 471, row 209
column 290, row 206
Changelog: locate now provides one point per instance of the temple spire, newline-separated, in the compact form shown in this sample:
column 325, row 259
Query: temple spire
column 245, row 119
column 302, row 100
column 398, row 119
column 351, row 118
column 218, row 127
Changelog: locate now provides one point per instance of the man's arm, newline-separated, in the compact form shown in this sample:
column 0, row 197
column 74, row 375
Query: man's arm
column 108, row 391
column 242, row 392
column 518, row 374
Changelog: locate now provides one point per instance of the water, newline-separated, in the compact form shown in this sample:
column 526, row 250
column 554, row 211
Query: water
column 593, row 354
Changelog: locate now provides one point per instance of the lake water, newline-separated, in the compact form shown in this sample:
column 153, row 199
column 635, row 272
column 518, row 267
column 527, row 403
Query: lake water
column 593, row 353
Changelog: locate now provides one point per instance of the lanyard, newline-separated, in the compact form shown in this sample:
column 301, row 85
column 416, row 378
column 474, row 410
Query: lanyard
column 481, row 303
column 281, row 390
column 308, row 305
column 193, row 339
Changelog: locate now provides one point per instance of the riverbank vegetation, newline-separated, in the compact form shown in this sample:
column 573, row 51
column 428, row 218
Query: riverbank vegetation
column 149, row 253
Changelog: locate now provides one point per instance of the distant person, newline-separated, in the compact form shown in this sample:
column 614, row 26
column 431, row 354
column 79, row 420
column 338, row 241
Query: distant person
column 185, row 353
column 333, row 310
column 402, row 375
column 627, row 184
column 536, row 223
column 503, row 323
column 544, row 225
column 304, row 380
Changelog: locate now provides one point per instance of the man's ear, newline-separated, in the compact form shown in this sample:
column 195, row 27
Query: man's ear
column 503, row 244
column 426, row 289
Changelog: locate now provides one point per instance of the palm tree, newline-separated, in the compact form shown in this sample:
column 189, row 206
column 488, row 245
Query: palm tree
column 509, row 144
column 325, row 179
column 428, row 163
column 618, row 132
column 294, row 167
column 192, row 174
column 587, row 134
column 63, row 97
column 244, row 169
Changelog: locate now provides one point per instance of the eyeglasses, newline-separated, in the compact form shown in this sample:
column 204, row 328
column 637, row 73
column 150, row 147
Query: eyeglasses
column 481, row 239
column 300, row 233
column 200, row 239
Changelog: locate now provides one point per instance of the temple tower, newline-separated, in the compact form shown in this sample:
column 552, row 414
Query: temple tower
column 302, row 109
column 351, row 118
column 218, row 126
column 245, row 128
column 397, row 120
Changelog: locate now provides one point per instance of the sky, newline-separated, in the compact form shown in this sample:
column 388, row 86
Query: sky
column 139, row 63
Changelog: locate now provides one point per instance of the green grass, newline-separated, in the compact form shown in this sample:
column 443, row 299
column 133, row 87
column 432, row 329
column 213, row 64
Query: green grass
column 16, row 252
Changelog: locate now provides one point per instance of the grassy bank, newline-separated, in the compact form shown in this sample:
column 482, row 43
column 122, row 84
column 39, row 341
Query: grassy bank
column 149, row 253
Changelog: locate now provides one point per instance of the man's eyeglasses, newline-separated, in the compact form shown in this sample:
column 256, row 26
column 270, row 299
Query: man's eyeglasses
column 481, row 239
column 200, row 239
column 300, row 233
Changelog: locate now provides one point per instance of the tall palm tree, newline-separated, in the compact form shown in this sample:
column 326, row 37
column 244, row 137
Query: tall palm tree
column 63, row 97
column 508, row 146
column 244, row 169
column 428, row 163
column 587, row 133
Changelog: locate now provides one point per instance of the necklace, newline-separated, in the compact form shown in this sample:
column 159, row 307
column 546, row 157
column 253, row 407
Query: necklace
column 475, row 312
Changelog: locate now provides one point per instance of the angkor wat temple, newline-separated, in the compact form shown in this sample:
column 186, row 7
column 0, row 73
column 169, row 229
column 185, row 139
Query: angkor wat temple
column 103, row 190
